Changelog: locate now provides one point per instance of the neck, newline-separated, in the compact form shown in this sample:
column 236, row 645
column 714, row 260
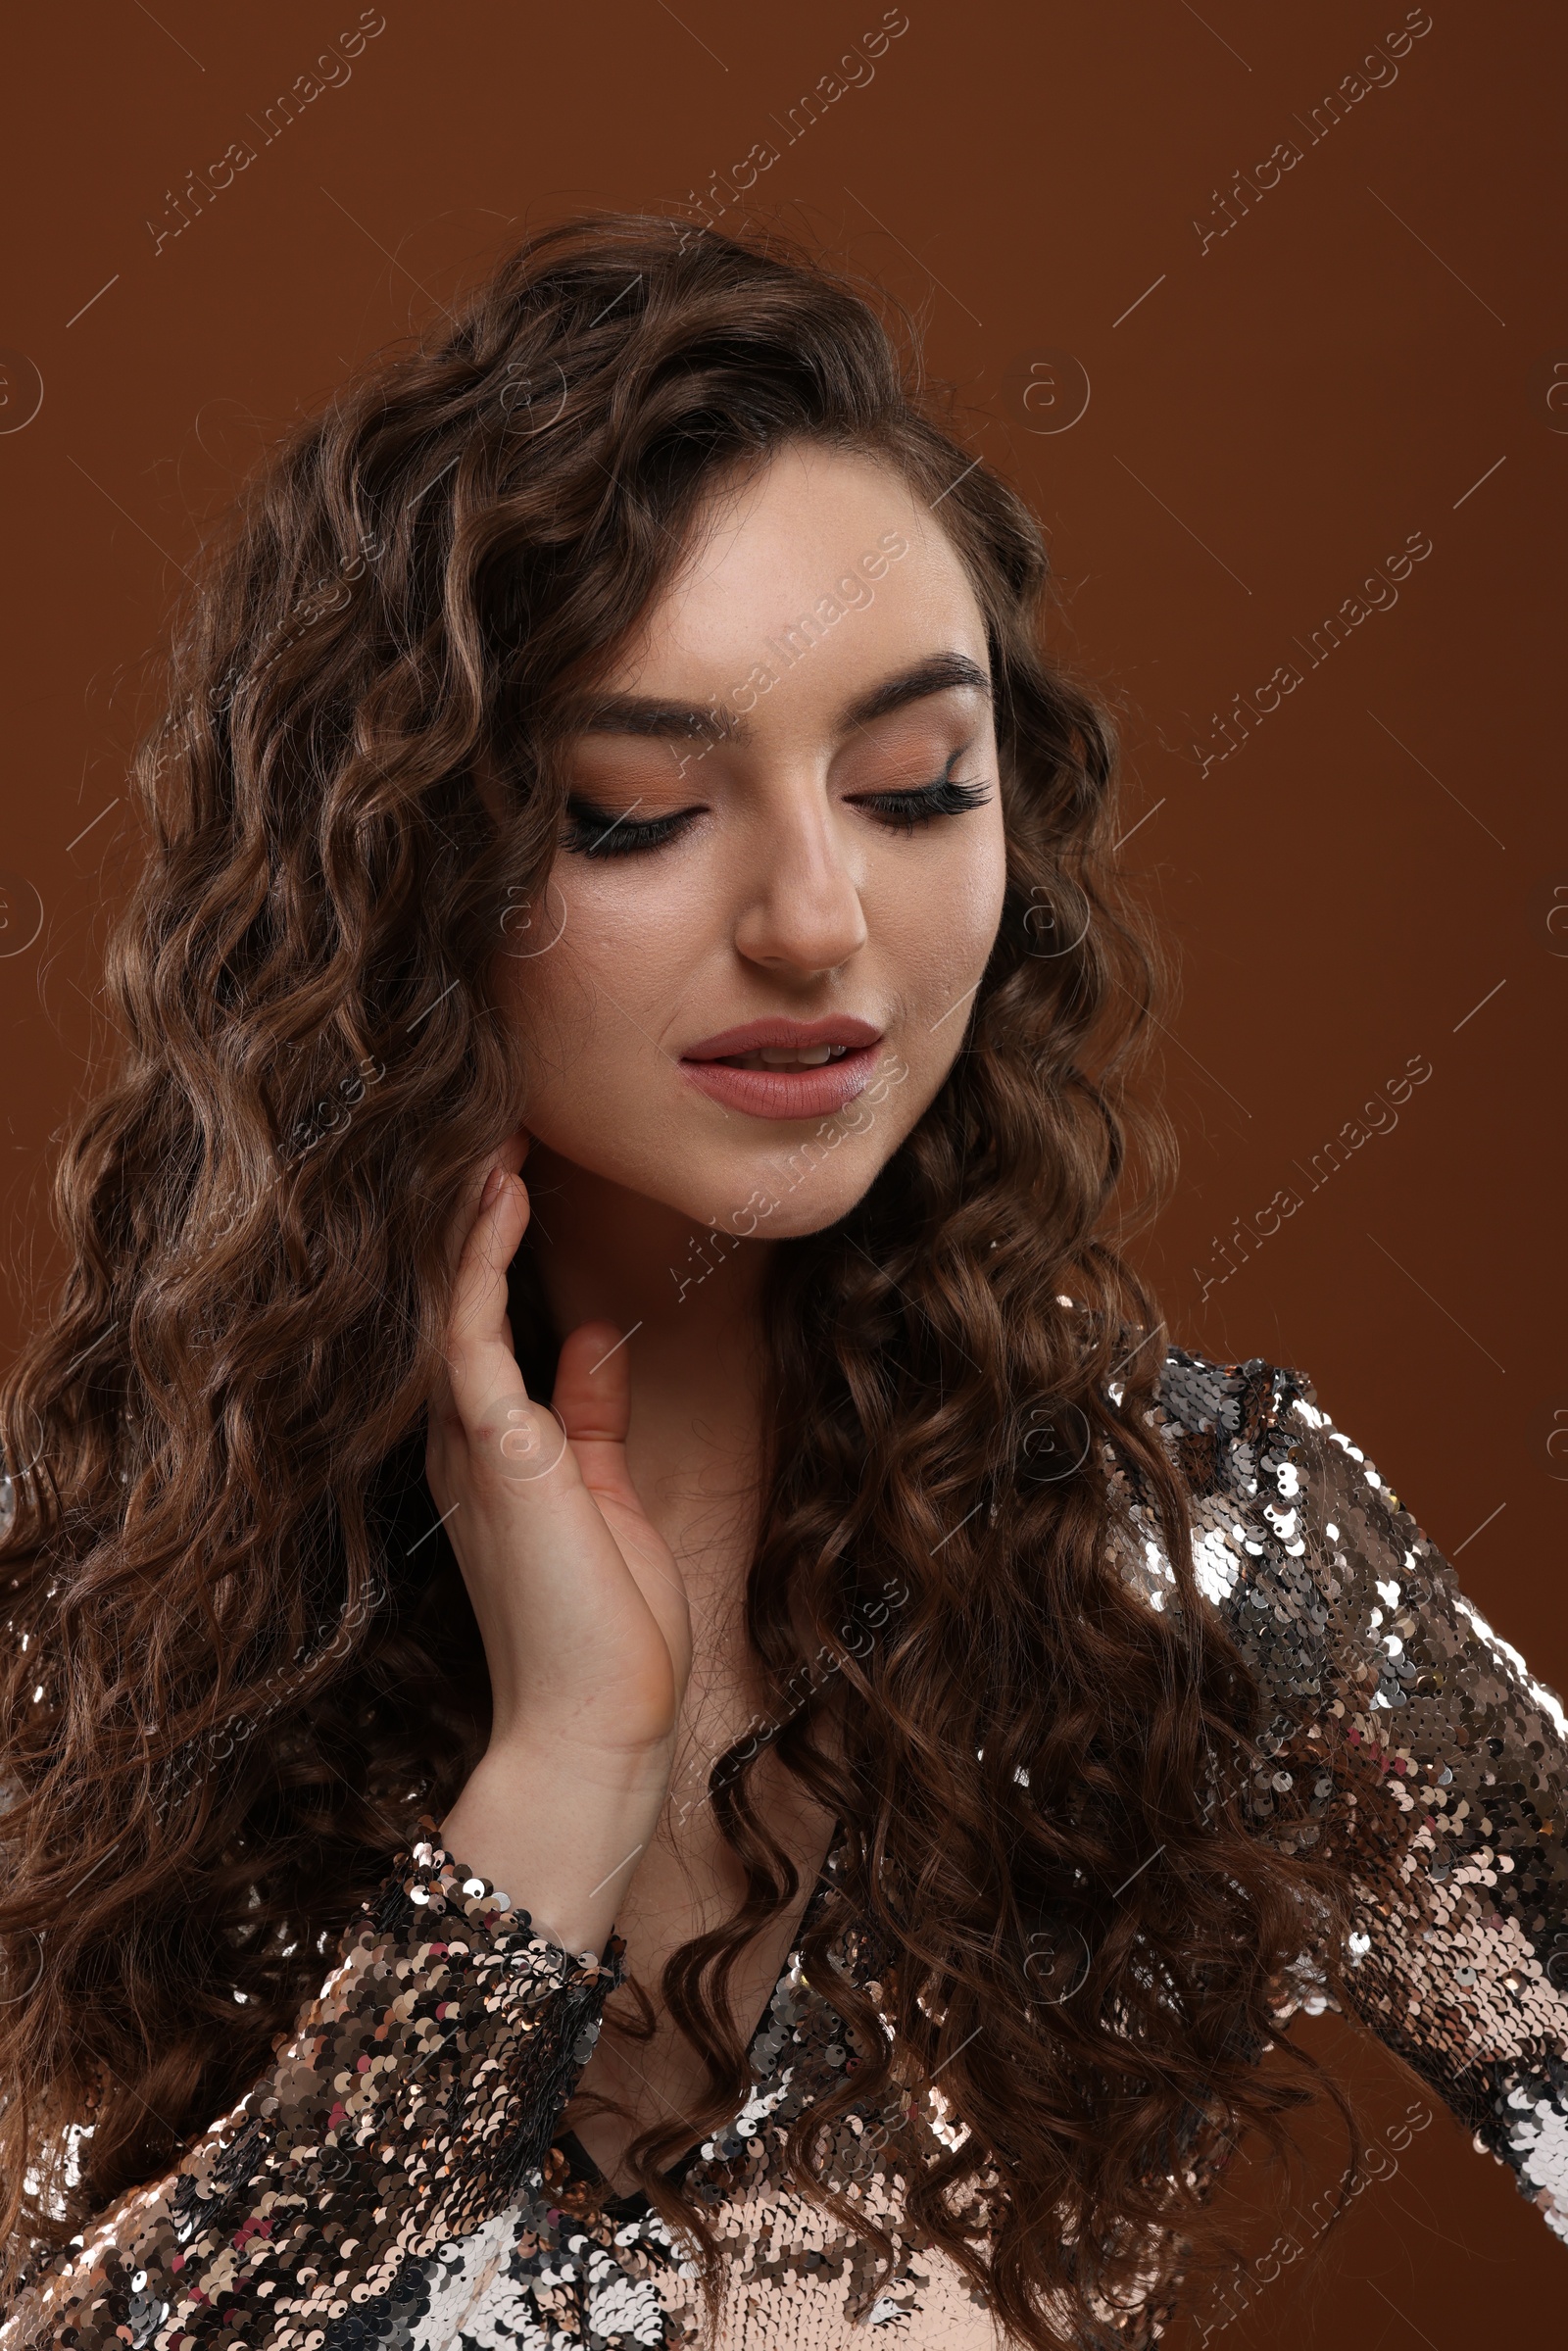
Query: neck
column 690, row 1302
column 604, row 1251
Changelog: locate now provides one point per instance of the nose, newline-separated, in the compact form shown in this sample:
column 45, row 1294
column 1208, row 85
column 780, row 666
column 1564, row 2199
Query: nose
column 800, row 911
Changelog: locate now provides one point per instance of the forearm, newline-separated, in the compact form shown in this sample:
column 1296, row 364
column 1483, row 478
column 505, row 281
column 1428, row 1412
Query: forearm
column 1453, row 1785
column 559, row 1829
column 417, row 2096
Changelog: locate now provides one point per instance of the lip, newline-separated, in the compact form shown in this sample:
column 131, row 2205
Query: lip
column 785, row 1094
column 752, row 1035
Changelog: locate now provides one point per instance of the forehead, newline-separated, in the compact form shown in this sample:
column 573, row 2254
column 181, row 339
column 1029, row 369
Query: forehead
column 817, row 549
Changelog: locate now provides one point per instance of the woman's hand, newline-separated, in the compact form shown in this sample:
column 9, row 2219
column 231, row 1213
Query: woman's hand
column 579, row 1602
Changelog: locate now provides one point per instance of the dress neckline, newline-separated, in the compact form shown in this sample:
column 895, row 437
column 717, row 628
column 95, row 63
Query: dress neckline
column 635, row 2204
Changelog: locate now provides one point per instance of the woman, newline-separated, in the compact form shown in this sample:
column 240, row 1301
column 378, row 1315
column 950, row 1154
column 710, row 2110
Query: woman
column 816, row 1826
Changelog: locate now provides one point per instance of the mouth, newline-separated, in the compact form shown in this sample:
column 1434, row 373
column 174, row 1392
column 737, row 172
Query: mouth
column 785, row 1057
column 783, row 1069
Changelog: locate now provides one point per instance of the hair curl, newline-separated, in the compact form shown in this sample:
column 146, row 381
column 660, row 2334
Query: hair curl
column 240, row 1660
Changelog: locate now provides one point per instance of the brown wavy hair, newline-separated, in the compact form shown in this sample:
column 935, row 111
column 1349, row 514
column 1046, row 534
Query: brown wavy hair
column 241, row 1661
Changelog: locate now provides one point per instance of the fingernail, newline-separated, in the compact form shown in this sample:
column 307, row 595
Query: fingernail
column 491, row 1185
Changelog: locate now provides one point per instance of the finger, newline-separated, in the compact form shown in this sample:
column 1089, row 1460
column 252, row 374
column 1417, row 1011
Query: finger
column 592, row 1397
column 467, row 1233
column 481, row 1366
column 593, row 1386
column 509, row 1154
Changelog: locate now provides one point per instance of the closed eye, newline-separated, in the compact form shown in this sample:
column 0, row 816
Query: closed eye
column 599, row 833
column 593, row 832
column 948, row 796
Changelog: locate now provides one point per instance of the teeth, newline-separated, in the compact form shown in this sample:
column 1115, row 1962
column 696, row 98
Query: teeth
column 789, row 1056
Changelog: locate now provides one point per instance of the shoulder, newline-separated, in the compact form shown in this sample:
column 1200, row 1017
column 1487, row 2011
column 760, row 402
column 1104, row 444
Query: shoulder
column 1253, row 1436
column 1221, row 1420
column 1299, row 1543
column 1340, row 1601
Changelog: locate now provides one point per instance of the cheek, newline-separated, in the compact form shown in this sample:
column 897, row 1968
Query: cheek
column 938, row 924
column 593, row 1011
column 563, row 1003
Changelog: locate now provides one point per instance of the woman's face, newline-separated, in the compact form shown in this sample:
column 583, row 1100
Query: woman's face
column 783, row 865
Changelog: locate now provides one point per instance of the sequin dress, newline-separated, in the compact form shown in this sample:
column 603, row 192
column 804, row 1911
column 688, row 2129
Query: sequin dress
column 401, row 2175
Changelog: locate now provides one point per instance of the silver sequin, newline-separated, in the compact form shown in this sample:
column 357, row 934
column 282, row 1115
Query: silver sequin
column 394, row 2179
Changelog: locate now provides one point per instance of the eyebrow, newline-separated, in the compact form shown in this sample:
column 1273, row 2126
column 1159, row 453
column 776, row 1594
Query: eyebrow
column 648, row 716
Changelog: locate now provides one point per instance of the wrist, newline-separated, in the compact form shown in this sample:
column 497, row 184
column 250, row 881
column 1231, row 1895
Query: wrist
column 538, row 1758
column 560, row 1829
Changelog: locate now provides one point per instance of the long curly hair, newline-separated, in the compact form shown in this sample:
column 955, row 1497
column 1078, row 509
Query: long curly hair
column 240, row 1663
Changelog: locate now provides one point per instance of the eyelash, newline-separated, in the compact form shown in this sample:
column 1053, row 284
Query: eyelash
column 592, row 833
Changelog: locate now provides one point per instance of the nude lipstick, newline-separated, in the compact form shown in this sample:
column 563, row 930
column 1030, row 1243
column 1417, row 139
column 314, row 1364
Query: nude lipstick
column 785, row 1068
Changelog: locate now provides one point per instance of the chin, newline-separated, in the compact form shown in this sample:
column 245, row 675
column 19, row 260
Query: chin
column 791, row 1189
column 791, row 1218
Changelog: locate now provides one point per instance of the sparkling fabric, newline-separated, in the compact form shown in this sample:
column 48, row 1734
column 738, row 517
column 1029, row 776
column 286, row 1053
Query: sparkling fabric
column 401, row 2176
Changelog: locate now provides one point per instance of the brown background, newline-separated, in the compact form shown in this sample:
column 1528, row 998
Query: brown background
column 1368, row 353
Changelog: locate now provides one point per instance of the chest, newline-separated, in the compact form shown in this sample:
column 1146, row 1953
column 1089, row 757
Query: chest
column 690, row 1884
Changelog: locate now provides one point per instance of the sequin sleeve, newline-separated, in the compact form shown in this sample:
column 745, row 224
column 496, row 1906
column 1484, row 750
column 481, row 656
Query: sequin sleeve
column 416, row 2097
column 1447, row 1789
